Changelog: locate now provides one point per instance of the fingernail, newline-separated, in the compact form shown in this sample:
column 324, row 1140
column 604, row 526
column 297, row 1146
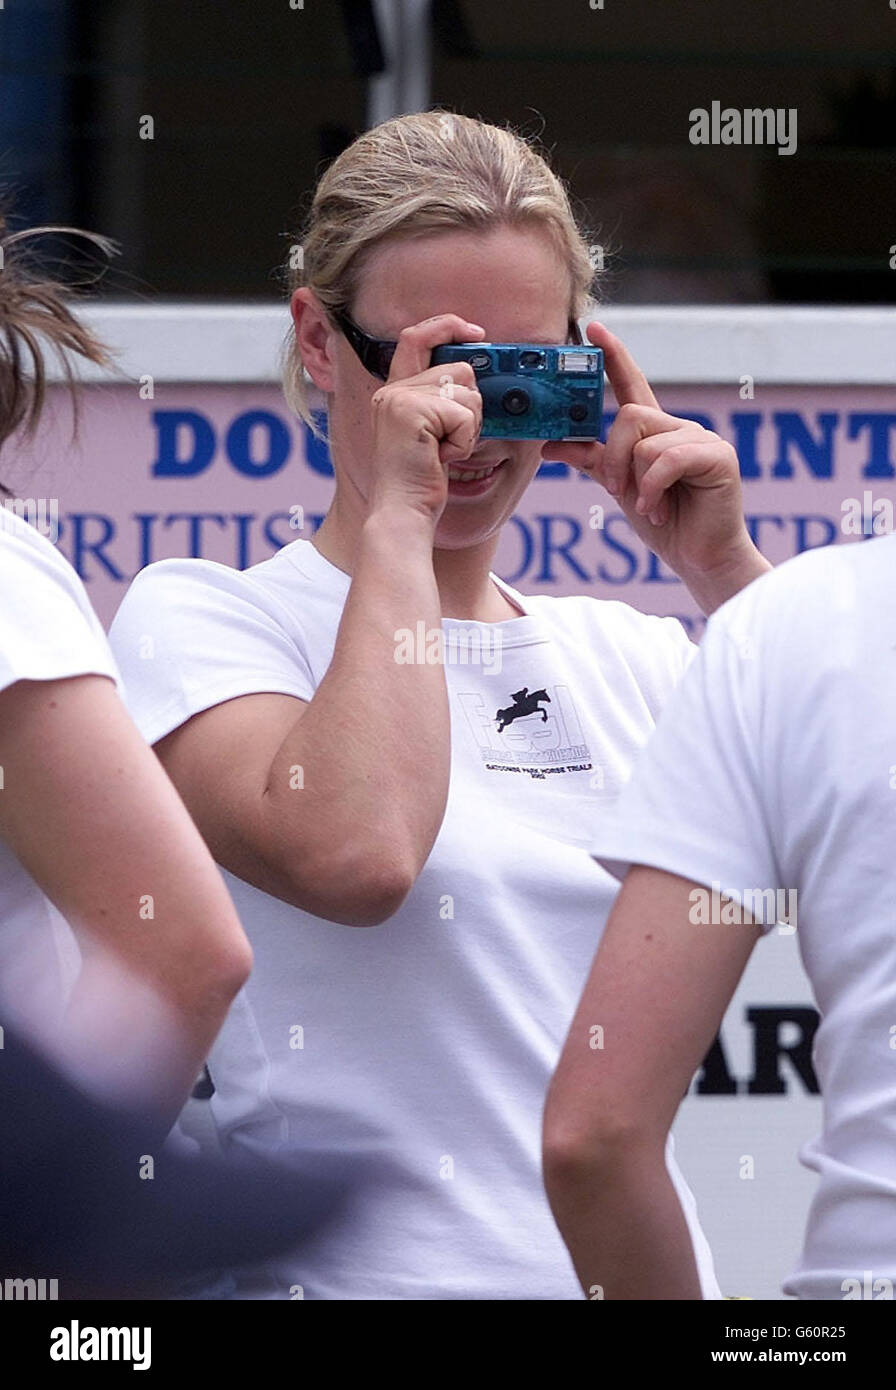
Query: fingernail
column 655, row 518
column 641, row 505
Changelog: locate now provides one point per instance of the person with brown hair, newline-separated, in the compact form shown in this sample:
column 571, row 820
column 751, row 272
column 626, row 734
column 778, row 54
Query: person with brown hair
column 103, row 1029
column 97, row 853
column 414, row 879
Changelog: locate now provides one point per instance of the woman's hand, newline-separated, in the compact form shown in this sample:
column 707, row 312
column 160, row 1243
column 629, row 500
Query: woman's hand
column 424, row 418
column 678, row 483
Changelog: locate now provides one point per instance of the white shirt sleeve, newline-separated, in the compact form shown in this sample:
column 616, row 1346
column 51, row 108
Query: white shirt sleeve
column 48, row 630
column 695, row 803
column 684, row 648
column 191, row 634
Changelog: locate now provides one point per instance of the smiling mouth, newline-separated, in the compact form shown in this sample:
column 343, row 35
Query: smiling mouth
column 464, row 474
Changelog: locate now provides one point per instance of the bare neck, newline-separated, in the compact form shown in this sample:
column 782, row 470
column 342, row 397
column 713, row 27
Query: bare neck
column 462, row 576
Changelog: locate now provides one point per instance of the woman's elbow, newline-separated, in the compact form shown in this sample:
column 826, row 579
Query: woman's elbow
column 236, row 965
column 384, row 894
column 365, row 890
column 226, row 967
column 598, row 1147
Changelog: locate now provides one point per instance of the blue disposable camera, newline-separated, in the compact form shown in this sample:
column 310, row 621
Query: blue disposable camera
column 534, row 392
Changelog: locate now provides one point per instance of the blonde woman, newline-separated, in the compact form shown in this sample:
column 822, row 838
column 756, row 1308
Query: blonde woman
column 422, row 919
column 93, row 836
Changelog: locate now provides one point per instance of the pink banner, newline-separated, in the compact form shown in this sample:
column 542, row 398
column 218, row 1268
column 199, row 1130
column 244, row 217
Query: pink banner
column 229, row 474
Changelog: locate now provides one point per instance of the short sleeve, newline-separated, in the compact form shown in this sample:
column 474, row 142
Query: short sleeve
column 48, row 630
column 191, row 634
column 682, row 649
column 694, row 805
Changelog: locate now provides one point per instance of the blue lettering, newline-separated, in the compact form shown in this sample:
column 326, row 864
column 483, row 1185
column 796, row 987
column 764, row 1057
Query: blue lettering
column 270, row 535
column 317, row 451
column 879, row 426
column 243, row 522
column 549, row 545
column 608, row 540
column 239, row 437
column 746, row 427
column 81, row 545
column 145, row 522
column 552, row 470
column 803, row 524
column 168, row 424
column 817, row 453
column 754, row 524
column 195, row 520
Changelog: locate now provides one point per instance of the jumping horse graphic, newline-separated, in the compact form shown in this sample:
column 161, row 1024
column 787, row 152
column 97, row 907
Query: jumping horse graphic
column 523, row 704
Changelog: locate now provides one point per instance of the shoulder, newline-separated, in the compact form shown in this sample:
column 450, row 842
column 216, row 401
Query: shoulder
column 190, row 634
column 612, row 627
column 27, row 556
column 798, row 604
column 37, row 574
column 48, row 628
column 195, row 589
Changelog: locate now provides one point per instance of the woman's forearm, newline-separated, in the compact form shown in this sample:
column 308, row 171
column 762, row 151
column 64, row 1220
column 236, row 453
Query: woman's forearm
column 374, row 742
column 622, row 1223
column 139, row 1043
column 713, row 588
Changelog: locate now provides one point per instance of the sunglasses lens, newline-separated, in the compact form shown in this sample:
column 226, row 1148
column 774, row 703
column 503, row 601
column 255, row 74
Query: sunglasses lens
column 384, row 354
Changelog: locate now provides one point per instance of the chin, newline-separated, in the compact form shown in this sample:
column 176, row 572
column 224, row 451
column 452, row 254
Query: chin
column 467, row 541
column 459, row 530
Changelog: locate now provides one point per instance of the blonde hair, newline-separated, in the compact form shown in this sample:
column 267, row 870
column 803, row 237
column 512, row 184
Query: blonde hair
column 425, row 172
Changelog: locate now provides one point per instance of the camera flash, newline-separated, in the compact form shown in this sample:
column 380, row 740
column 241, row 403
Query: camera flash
column 578, row 361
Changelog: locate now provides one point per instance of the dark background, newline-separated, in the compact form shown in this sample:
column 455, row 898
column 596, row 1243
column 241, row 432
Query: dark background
column 250, row 98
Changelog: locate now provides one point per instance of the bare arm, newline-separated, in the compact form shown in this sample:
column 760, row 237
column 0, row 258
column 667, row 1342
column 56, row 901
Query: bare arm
column 334, row 805
column 658, row 989
column 91, row 815
column 345, row 837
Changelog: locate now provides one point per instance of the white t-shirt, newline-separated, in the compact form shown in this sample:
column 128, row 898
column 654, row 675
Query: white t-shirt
column 425, row 1045
column 773, row 767
column 48, row 631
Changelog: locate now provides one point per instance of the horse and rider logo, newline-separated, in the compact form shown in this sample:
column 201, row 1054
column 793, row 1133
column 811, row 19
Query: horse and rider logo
column 523, row 704
column 536, row 733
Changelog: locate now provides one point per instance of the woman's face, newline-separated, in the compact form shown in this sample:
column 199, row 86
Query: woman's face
column 512, row 282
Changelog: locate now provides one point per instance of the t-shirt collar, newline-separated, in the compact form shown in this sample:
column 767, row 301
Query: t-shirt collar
column 315, row 566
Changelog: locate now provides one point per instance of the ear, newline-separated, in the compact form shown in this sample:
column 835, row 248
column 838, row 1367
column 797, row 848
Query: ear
column 314, row 337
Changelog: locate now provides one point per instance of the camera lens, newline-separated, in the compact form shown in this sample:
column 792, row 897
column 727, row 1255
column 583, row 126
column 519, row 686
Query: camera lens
column 578, row 411
column 515, row 401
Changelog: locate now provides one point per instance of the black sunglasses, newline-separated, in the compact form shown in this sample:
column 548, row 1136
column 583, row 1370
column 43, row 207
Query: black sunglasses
column 376, row 353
